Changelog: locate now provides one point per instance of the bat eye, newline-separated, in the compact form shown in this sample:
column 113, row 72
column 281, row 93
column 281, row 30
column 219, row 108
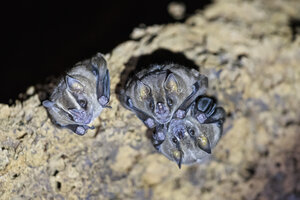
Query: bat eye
column 151, row 105
column 170, row 102
column 174, row 140
column 82, row 103
column 191, row 132
column 70, row 116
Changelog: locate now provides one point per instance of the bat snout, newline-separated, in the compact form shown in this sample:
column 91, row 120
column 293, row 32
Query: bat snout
column 161, row 109
column 80, row 116
column 162, row 113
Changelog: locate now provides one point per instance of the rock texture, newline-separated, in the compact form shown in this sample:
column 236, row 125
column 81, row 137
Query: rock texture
column 250, row 50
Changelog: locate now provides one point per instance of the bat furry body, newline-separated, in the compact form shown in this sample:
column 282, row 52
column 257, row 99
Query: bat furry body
column 190, row 140
column 156, row 93
column 81, row 95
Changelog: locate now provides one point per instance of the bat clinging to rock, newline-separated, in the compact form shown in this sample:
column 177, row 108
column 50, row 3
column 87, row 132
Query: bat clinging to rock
column 155, row 94
column 192, row 138
column 81, row 95
column 186, row 141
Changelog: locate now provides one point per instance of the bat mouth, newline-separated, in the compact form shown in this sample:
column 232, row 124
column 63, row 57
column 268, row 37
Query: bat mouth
column 162, row 119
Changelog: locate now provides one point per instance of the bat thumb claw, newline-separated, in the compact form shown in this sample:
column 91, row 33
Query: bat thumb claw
column 103, row 100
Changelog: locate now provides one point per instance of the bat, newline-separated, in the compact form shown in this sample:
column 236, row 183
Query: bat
column 188, row 140
column 81, row 95
column 157, row 92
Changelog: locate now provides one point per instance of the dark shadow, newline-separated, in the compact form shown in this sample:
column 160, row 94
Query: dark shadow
column 295, row 27
column 42, row 39
column 158, row 57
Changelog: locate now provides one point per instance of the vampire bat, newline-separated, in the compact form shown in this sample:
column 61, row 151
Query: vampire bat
column 81, row 95
column 157, row 92
column 189, row 140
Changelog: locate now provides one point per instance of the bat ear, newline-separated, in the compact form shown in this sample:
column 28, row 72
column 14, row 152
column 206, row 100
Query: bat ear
column 142, row 89
column 177, row 155
column 73, row 84
column 48, row 104
column 171, row 83
column 99, row 60
column 203, row 143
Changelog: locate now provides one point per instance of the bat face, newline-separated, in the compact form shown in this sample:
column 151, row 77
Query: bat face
column 159, row 95
column 159, row 91
column 186, row 141
column 81, row 95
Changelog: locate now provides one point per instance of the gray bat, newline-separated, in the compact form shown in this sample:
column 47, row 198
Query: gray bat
column 188, row 140
column 81, row 95
column 158, row 93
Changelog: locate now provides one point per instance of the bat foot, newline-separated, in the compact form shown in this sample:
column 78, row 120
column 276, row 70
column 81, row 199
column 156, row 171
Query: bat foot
column 201, row 118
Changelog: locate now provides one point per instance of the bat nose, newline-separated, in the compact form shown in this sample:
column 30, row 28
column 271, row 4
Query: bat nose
column 161, row 108
column 181, row 135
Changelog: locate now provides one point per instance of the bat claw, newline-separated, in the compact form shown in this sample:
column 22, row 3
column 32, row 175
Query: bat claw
column 103, row 100
column 91, row 127
column 150, row 123
column 80, row 130
column 201, row 118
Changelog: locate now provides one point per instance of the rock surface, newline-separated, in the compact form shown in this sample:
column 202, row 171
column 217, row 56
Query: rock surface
column 250, row 50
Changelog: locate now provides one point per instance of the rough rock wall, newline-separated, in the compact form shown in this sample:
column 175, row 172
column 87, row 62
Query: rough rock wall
column 250, row 50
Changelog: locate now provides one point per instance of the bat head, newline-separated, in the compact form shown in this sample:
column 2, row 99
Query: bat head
column 186, row 141
column 73, row 102
column 158, row 95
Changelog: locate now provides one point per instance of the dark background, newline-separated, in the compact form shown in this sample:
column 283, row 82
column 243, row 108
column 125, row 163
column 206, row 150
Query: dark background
column 42, row 39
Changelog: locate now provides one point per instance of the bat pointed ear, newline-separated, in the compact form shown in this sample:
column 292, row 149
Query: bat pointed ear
column 48, row 104
column 73, row 84
column 171, row 83
column 99, row 60
column 204, row 143
column 142, row 90
column 177, row 154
